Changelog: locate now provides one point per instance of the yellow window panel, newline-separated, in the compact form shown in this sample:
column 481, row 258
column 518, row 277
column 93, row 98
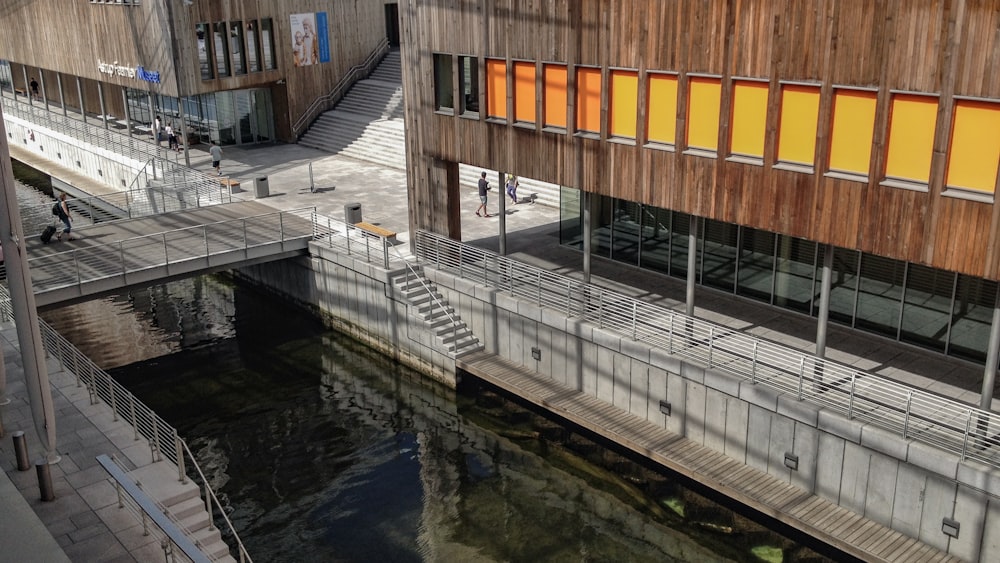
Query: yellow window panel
column 911, row 137
column 661, row 112
column 624, row 100
column 704, row 96
column 974, row 153
column 797, row 127
column 554, row 77
column 496, row 88
column 588, row 99
column 524, row 91
column 851, row 134
column 749, row 118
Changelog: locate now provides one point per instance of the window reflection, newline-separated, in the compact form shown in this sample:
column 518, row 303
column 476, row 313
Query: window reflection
column 253, row 47
column 236, row 47
column 204, row 62
column 219, row 48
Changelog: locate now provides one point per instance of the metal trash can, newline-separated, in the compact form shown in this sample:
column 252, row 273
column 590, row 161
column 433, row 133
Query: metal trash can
column 260, row 187
column 352, row 213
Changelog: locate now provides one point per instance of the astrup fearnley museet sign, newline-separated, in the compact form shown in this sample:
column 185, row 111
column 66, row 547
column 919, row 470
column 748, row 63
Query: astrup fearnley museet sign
column 115, row 69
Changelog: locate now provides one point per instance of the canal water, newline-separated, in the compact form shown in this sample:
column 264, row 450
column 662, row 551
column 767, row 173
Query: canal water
column 322, row 450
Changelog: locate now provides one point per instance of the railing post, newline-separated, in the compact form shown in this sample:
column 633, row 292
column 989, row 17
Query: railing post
column 208, row 251
column 281, row 226
column 121, row 255
column 906, row 419
column 157, row 456
column 635, row 323
column 850, row 403
column 135, row 423
column 753, row 364
column 670, row 334
column 600, row 311
column 569, row 297
column 181, row 473
column 208, row 507
column 114, row 401
column 965, row 442
column 711, row 344
column 802, row 370
column 385, row 253
column 538, row 287
column 166, row 250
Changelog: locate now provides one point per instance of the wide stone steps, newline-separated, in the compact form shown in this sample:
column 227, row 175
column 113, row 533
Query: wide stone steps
column 380, row 142
column 450, row 332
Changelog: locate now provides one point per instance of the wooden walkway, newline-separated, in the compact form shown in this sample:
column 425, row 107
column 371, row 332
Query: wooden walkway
column 845, row 530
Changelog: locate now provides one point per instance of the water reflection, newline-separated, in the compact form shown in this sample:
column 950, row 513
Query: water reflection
column 323, row 450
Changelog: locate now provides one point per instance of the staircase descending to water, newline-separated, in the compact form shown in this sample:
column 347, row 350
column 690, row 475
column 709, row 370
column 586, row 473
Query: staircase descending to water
column 426, row 303
column 367, row 124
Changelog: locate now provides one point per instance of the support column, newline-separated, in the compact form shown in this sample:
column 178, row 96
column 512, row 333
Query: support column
column 992, row 353
column 692, row 265
column 502, row 212
column 27, row 85
column 62, row 94
column 45, row 94
column 100, row 97
column 183, row 141
column 585, row 200
column 79, row 96
column 823, row 316
column 128, row 114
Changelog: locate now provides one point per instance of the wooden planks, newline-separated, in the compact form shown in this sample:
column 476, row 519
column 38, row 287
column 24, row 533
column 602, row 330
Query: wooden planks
column 816, row 516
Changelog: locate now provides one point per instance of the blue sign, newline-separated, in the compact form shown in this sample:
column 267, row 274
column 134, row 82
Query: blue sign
column 324, row 37
column 147, row 75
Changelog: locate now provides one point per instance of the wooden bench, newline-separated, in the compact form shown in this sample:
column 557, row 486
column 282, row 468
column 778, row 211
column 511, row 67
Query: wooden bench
column 368, row 228
column 233, row 185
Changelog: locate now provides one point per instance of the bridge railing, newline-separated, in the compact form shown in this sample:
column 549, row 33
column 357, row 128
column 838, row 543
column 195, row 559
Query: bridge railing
column 348, row 239
column 132, row 255
column 912, row 414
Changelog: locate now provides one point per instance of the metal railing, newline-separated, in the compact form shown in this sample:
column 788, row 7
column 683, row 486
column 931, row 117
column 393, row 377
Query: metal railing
column 910, row 413
column 349, row 239
column 93, row 263
column 326, row 101
column 436, row 304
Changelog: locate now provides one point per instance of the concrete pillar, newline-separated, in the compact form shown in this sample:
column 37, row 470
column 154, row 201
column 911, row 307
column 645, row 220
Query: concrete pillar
column 992, row 353
column 692, row 264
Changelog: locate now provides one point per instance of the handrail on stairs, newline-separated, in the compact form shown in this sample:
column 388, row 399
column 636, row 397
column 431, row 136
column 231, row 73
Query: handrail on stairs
column 322, row 103
column 437, row 302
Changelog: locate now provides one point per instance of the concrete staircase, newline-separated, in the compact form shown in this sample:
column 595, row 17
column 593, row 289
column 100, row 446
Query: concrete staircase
column 182, row 503
column 367, row 124
column 426, row 303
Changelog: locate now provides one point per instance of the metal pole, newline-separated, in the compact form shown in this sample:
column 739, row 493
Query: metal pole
column 823, row 316
column 128, row 114
column 692, row 264
column 36, row 375
column 79, row 97
column 45, row 488
column 502, row 210
column 990, row 371
column 312, row 183
column 62, row 94
column 587, row 234
column 27, row 85
column 104, row 111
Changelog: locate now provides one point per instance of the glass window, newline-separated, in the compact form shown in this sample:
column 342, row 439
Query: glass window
column 718, row 257
column 236, row 47
column 469, row 69
column 554, row 79
column 588, row 100
column 570, row 217
column 624, row 103
column 219, row 43
column 972, row 317
column 974, row 152
column 253, row 47
column 704, row 98
column 853, row 127
column 525, row 95
column 661, row 108
column 911, row 137
column 444, row 97
column 625, row 231
column 496, row 88
column 843, row 286
column 749, row 118
column 225, row 115
column 756, row 269
column 797, row 124
column 267, row 44
column 927, row 307
column 656, row 238
column 203, row 34
column 794, row 284
column 880, row 294
column 680, row 239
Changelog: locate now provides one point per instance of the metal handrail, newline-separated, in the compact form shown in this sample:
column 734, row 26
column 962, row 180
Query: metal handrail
column 323, row 102
column 437, row 303
column 349, row 239
column 913, row 414
column 209, row 497
column 91, row 263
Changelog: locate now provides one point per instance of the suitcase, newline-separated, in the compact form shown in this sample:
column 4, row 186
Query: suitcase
column 47, row 234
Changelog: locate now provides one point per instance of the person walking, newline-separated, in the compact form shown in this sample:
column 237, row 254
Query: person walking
column 34, row 88
column 484, row 186
column 216, row 152
column 62, row 211
column 512, row 188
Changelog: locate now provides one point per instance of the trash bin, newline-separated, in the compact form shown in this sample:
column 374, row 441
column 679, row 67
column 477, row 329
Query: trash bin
column 260, row 187
column 352, row 213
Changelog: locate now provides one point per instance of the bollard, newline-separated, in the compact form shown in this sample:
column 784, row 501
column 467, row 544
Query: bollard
column 21, row 450
column 48, row 493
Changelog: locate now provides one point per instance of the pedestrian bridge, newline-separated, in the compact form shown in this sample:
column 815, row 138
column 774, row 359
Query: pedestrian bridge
column 120, row 254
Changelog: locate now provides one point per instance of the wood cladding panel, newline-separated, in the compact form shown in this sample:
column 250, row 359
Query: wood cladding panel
column 940, row 47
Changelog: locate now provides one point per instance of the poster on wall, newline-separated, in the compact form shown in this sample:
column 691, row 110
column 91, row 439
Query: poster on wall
column 310, row 39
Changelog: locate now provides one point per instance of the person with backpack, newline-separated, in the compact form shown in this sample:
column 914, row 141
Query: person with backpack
column 61, row 210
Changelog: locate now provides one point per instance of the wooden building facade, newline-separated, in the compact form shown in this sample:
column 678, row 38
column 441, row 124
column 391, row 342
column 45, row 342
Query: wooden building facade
column 189, row 49
column 867, row 125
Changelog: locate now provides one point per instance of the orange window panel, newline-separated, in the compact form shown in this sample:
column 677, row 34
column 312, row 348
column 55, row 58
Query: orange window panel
column 797, row 124
column 661, row 108
column 704, row 96
column 749, row 118
column 911, row 137
column 554, row 80
column 852, row 131
column 496, row 88
column 624, row 101
column 974, row 153
column 588, row 99
column 524, row 91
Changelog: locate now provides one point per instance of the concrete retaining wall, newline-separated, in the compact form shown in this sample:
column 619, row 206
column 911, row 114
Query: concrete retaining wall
column 907, row 486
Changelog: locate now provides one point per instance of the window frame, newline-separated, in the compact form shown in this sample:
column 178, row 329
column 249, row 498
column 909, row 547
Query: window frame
column 658, row 144
column 841, row 173
column 440, row 96
column 747, row 157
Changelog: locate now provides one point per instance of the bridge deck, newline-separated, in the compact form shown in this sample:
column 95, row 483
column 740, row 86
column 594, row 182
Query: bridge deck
column 818, row 517
column 119, row 254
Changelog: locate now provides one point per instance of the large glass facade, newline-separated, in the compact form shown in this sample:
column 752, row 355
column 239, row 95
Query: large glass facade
column 933, row 309
column 228, row 118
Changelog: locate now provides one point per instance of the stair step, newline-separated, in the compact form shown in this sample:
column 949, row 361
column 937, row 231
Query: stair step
column 186, row 508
